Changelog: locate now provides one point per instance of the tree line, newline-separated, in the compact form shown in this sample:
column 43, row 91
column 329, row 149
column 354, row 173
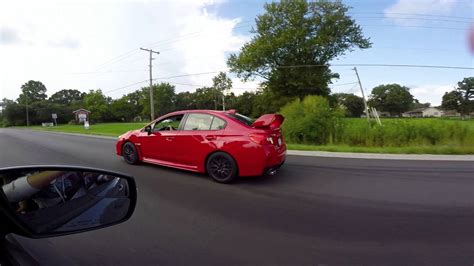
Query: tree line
column 293, row 44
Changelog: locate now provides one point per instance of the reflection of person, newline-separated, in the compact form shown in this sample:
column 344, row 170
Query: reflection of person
column 49, row 188
column 24, row 187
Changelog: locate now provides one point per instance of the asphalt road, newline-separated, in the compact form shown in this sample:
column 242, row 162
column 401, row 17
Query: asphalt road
column 316, row 211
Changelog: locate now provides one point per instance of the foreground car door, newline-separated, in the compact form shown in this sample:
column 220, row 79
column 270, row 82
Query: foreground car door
column 200, row 136
column 159, row 146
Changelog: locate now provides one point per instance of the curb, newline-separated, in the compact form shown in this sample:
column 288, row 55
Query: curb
column 382, row 156
column 326, row 154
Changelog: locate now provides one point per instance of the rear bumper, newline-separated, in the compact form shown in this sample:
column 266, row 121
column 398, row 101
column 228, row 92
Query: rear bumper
column 257, row 161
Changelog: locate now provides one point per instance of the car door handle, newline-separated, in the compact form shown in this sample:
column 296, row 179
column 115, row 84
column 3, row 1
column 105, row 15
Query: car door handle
column 210, row 137
column 169, row 138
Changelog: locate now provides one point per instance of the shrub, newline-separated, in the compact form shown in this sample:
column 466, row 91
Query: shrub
column 312, row 121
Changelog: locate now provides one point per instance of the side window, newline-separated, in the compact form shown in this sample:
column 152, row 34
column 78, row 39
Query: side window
column 217, row 124
column 168, row 124
column 198, row 122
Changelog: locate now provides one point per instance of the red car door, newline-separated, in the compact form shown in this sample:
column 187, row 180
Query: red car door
column 160, row 145
column 199, row 136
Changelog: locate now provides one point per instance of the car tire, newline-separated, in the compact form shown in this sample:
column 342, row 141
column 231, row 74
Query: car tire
column 221, row 167
column 129, row 153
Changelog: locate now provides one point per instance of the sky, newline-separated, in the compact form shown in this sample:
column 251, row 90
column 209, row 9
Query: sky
column 90, row 44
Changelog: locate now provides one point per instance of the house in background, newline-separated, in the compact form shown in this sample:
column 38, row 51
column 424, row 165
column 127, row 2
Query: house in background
column 424, row 112
column 82, row 115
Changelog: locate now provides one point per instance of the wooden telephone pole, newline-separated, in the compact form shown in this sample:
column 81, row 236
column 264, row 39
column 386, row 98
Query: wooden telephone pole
column 152, row 107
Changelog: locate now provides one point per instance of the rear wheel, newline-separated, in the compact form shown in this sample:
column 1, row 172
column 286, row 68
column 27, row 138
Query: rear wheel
column 129, row 153
column 221, row 167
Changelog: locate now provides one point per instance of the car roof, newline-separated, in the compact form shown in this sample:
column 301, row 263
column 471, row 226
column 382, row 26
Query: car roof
column 196, row 111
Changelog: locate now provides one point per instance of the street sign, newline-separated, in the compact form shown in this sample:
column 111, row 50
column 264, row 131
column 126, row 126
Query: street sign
column 55, row 116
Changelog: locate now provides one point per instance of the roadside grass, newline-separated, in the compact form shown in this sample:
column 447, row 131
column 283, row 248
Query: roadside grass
column 104, row 129
column 397, row 135
column 393, row 150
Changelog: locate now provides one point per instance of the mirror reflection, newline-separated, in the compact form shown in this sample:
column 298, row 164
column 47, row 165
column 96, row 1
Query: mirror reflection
column 59, row 201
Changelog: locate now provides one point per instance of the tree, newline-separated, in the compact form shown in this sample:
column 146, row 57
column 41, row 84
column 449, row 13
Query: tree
column 98, row 104
column 353, row 104
column 452, row 100
column 13, row 113
column 122, row 109
column 66, row 97
column 163, row 98
column 461, row 99
column 417, row 104
column 392, row 98
column 268, row 102
column 222, row 84
column 295, row 33
column 32, row 91
column 205, row 98
column 185, row 101
column 244, row 103
column 136, row 99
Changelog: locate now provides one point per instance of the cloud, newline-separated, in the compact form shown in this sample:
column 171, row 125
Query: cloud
column 403, row 9
column 431, row 93
column 103, row 41
column 67, row 42
column 9, row 36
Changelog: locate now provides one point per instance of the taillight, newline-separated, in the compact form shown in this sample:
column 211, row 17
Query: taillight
column 261, row 139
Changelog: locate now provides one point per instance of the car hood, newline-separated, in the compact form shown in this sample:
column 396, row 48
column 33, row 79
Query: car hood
column 129, row 133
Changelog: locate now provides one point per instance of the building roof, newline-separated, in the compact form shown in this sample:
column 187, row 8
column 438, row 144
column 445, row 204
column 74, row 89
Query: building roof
column 81, row 110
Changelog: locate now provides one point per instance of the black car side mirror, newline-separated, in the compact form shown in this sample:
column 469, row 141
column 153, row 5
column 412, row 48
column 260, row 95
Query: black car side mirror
column 45, row 201
column 148, row 129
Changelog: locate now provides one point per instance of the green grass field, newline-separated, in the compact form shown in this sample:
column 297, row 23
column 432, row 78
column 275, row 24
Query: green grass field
column 399, row 136
column 105, row 129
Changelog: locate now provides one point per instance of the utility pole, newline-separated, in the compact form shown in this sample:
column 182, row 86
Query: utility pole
column 363, row 96
column 152, row 107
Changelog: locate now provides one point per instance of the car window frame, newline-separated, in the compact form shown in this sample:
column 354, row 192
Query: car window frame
column 213, row 117
column 180, row 127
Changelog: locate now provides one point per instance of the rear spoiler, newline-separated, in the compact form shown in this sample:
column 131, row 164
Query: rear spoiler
column 269, row 121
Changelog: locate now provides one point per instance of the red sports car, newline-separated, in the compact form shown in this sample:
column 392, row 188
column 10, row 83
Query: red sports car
column 223, row 144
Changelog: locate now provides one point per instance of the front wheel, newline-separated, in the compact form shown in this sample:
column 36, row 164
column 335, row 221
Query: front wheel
column 129, row 153
column 221, row 167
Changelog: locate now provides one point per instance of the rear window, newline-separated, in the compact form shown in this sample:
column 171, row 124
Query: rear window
column 242, row 118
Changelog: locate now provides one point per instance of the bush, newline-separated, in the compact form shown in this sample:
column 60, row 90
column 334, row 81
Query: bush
column 312, row 121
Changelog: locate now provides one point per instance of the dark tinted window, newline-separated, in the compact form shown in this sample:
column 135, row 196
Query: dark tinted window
column 242, row 118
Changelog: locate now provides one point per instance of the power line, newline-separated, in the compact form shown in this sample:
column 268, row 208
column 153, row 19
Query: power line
column 126, row 86
column 343, row 84
column 191, row 74
column 105, row 72
column 381, row 65
column 423, row 19
column 414, row 26
column 411, row 14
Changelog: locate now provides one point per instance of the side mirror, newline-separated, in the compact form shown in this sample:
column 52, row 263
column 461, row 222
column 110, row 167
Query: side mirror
column 45, row 201
column 148, row 130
